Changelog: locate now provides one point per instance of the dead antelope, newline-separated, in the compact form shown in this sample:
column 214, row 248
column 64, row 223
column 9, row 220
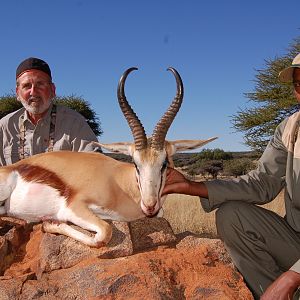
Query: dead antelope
column 85, row 188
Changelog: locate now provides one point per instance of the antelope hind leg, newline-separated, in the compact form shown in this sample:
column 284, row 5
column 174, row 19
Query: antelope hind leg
column 79, row 214
column 7, row 184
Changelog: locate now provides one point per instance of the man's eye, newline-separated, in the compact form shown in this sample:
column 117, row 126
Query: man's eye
column 26, row 86
column 41, row 84
column 38, row 85
column 296, row 84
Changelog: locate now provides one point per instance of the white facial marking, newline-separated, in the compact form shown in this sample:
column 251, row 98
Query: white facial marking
column 151, row 177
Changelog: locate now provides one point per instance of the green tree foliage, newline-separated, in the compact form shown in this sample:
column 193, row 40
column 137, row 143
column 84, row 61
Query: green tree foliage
column 205, row 167
column 213, row 154
column 273, row 101
column 213, row 163
column 237, row 167
column 212, row 167
column 206, row 162
column 10, row 104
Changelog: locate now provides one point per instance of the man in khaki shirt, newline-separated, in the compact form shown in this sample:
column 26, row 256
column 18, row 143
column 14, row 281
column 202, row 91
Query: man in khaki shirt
column 40, row 126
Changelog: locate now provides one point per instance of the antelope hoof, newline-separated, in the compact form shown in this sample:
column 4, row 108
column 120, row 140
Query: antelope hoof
column 103, row 238
column 48, row 225
column 101, row 244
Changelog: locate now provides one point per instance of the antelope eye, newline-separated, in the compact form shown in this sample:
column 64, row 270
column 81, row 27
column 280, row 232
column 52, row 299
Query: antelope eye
column 165, row 164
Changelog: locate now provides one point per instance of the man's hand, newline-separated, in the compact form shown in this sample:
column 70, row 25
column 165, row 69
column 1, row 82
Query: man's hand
column 283, row 287
column 177, row 183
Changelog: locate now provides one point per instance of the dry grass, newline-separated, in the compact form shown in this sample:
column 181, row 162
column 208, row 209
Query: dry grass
column 184, row 213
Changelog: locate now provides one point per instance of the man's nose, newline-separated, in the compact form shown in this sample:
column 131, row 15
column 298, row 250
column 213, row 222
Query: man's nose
column 33, row 90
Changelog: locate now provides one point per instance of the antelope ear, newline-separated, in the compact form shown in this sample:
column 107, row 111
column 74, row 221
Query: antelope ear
column 121, row 147
column 181, row 145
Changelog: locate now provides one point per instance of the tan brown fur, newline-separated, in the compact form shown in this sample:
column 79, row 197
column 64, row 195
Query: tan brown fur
column 94, row 186
column 41, row 175
column 81, row 169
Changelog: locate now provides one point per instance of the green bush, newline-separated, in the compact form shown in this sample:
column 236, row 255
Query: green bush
column 8, row 104
column 204, row 168
column 213, row 154
column 238, row 167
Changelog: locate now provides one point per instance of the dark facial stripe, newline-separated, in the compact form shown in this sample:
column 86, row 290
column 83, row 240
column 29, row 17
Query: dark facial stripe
column 31, row 173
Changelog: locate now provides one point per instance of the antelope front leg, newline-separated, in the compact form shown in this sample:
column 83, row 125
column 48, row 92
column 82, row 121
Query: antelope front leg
column 79, row 214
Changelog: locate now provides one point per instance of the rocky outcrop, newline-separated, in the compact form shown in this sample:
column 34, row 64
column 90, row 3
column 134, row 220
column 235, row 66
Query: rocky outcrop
column 144, row 260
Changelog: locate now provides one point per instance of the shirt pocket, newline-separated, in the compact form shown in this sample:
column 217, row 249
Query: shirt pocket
column 11, row 155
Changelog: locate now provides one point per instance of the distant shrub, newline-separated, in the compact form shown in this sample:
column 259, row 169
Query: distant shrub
column 213, row 154
column 213, row 168
column 238, row 167
column 205, row 168
column 184, row 159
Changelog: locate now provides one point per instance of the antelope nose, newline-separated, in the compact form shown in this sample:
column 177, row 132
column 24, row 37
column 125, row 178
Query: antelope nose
column 150, row 209
column 152, row 213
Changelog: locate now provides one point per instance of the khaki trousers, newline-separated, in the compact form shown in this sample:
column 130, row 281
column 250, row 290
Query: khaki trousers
column 261, row 243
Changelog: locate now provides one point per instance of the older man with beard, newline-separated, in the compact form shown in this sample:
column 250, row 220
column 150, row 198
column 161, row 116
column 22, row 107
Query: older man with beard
column 40, row 126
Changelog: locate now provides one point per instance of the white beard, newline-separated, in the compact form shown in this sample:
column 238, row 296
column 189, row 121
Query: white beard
column 35, row 105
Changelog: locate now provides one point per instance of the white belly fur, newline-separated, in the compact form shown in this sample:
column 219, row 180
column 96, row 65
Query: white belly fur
column 107, row 214
column 34, row 202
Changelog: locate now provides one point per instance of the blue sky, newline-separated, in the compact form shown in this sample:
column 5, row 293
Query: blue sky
column 216, row 46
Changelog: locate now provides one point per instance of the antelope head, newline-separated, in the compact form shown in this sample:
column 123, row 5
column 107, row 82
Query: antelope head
column 152, row 155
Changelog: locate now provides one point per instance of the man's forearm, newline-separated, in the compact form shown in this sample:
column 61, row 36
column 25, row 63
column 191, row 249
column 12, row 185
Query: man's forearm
column 283, row 287
column 198, row 189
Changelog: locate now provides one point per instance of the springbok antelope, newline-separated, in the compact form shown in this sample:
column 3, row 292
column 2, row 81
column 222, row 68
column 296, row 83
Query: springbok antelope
column 85, row 188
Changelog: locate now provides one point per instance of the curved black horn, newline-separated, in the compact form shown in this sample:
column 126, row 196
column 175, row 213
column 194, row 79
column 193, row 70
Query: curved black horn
column 162, row 127
column 137, row 129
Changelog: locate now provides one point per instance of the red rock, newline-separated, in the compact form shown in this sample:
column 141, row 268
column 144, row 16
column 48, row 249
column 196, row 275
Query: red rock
column 146, row 262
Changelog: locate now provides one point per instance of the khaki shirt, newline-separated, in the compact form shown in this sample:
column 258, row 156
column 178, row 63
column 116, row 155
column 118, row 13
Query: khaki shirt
column 71, row 133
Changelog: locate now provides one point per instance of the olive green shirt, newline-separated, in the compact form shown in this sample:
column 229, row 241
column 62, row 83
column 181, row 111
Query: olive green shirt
column 71, row 133
column 278, row 167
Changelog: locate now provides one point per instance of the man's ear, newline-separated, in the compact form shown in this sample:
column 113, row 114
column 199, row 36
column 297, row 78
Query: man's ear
column 53, row 88
column 17, row 89
column 17, row 95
